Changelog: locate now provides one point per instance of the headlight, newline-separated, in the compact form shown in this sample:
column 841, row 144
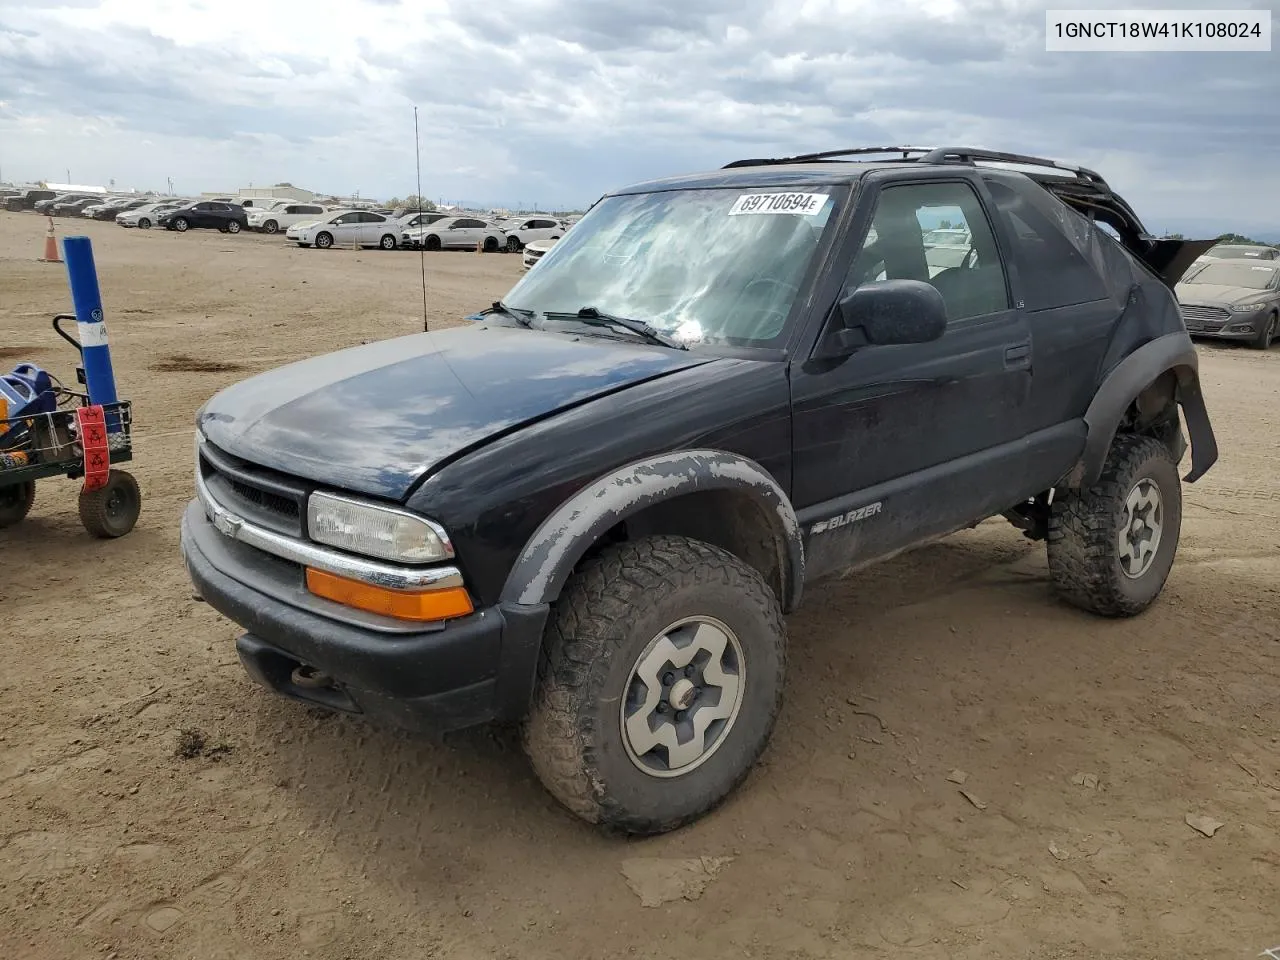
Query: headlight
column 383, row 532
column 1247, row 307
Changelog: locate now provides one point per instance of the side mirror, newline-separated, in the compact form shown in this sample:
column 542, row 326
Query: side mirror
column 895, row 312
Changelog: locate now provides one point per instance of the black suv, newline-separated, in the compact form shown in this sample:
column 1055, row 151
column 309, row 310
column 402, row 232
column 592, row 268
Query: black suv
column 589, row 509
column 211, row 214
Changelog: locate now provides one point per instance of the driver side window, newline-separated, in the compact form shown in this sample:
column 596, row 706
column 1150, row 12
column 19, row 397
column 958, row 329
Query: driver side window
column 937, row 233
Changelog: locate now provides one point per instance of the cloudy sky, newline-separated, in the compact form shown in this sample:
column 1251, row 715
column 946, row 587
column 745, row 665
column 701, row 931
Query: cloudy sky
column 555, row 101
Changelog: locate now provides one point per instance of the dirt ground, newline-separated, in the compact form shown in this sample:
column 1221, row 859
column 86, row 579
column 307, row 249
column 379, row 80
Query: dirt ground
column 288, row 833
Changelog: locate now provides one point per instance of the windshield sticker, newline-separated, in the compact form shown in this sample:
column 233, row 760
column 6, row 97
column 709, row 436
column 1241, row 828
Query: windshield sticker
column 807, row 204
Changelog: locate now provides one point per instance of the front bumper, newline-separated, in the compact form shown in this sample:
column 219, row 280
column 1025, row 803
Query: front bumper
column 1235, row 326
column 466, row 672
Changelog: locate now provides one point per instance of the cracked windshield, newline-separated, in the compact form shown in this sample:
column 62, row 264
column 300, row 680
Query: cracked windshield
column 706, row 266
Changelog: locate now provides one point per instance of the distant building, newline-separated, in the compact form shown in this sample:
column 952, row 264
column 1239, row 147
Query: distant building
column 74, row 188
column 283, row 192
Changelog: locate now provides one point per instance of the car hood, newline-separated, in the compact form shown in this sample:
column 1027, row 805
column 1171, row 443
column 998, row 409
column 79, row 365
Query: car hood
column 1209, row 294
column 377, row 418
column 305, row 225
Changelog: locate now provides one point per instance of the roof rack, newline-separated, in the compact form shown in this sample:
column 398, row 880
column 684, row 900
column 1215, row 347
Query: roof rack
column 934, row 155
column 826, row 155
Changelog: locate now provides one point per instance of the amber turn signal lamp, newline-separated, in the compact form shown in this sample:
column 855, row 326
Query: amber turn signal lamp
column 421, row 605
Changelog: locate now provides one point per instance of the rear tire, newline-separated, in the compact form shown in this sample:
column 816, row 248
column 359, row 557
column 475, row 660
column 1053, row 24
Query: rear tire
column 1111, row 547
column 15, row 503
column 1268, row 333
column 112, row 510
column 706, row 631
column 144, row 224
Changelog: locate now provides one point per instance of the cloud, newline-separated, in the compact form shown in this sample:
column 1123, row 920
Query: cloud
column 560, row 100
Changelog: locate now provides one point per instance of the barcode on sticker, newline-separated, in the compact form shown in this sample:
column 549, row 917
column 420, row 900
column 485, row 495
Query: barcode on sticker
column 807, row 204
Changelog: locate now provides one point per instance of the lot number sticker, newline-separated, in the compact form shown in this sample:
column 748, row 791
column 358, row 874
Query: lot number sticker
column 807, row 204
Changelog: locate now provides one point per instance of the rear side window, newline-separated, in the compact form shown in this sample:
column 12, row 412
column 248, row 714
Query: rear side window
column 1048, row 237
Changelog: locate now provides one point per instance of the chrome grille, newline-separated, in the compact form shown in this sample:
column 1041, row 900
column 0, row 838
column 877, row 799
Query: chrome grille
column 255, row 493
column 1204, row 318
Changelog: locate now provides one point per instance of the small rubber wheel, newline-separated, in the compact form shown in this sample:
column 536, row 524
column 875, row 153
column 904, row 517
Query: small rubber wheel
column 1268, row 333
column 233, row 226
column 1111, row 547
column 15, row 502
column 324, row 240
column 112, row 510
column 659, row 683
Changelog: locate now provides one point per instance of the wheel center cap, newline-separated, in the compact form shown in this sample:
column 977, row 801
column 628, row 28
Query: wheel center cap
column 682, row 693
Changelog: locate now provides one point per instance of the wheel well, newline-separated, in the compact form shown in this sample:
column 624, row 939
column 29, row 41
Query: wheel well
column 730, row 519
column 1154, row 412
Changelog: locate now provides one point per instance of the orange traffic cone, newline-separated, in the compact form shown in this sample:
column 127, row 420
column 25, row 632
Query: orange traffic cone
column 50, row 246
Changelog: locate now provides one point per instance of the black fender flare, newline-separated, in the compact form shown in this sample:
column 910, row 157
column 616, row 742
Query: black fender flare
column 548, row 558
column 1173, row 352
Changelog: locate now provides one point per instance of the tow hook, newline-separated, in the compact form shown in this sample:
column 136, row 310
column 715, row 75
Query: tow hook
column 309, row 678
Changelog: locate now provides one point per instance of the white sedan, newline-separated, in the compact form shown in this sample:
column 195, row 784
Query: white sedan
column 345, row 228
column 535, row 251
column 458, row 233
column 143, row 217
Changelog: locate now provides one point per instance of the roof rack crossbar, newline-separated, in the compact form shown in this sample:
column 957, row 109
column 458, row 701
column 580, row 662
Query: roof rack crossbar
column 827, row 155
column 971, row 154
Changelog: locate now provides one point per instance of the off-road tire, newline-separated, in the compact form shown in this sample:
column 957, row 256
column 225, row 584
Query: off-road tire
column 606, row 616
column 111, row 510
column 1084, row 525
column 1268, row 333
column 15, row 502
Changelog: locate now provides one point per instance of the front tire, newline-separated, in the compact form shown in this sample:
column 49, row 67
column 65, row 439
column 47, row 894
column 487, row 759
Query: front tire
column 270, row 227
column 388, row 242
column 233, row 226
column 1111, row 546
column 324, row 240
column 432, row 242
column 660, row 681
column 15, row 502
column 181, row 224
column 514, row 244
column 112, row 510
column 1268, row 333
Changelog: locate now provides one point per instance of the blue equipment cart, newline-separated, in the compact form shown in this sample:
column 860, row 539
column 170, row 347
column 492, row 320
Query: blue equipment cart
column 48, row 430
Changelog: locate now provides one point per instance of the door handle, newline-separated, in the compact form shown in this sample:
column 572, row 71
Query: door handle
column 1018, row 356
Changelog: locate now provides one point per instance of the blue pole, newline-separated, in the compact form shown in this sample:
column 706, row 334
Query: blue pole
column 82, row 275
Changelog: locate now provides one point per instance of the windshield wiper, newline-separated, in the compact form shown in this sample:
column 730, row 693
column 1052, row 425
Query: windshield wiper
column 597, row 318
column 522, row 317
